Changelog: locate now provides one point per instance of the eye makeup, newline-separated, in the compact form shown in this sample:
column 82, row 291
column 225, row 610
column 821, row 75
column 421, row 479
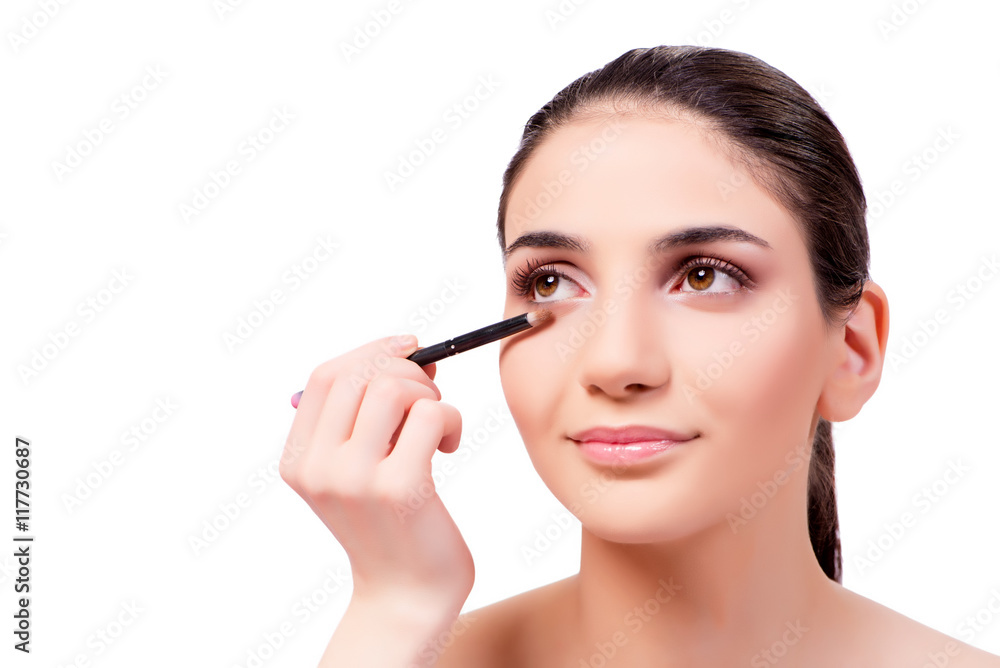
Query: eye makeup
column 523, row 280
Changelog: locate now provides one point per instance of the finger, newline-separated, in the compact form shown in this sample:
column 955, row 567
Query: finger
column 429, row 369
column 338, row 420
column 309, row 408
column 385, row 405
column 429, row 426
column 345, row 378
column 347, row 395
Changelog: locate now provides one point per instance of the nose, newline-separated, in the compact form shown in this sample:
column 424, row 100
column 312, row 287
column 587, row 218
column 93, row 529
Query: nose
column 627, row 351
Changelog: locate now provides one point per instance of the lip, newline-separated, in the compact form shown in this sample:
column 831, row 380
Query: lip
column 628, row 434
column 626, row 444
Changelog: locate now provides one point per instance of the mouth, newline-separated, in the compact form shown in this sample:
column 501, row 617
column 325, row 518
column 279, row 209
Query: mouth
column 627, row 444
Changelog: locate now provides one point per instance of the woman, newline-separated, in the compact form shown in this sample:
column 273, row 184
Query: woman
column 694, row 221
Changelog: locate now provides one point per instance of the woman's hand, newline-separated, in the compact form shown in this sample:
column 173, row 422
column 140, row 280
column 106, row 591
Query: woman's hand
column 359, row 453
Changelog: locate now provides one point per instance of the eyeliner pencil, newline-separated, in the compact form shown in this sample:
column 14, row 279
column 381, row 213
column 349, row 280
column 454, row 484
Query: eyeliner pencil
column 473, row 339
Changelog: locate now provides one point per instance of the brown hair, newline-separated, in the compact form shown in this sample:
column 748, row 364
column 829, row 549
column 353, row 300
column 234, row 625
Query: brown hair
column 790, row 147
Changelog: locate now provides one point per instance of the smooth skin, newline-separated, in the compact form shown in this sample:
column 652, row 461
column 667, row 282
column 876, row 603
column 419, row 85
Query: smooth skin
column 671, row 572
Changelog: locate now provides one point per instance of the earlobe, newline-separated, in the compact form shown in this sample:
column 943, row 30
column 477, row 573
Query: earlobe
column 859, row 357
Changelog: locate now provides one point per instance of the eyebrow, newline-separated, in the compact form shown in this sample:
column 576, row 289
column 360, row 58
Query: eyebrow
column 687, row 237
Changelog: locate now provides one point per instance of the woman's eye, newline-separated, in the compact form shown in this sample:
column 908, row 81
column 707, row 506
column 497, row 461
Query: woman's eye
column 702, row 277
column 708, row 275
column 550, row 285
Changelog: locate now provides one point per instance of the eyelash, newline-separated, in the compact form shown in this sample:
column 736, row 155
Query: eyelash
column 524, row 277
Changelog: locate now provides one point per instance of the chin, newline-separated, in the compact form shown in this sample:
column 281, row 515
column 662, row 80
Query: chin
column 625, row 534
column 635, row 512
column 653, row 531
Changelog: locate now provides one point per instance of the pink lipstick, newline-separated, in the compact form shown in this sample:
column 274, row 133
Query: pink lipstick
column 626, row 444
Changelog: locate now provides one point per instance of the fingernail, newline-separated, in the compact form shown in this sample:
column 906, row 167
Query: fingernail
column 295, row 399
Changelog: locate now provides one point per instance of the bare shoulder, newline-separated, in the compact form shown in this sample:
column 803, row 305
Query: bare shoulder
column 901, row 641
column 514, row 631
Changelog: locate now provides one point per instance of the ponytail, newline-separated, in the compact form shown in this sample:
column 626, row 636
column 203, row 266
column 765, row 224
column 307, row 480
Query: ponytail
column 824, row 529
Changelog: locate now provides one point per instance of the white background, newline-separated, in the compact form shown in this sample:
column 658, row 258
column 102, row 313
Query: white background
column 63, row 235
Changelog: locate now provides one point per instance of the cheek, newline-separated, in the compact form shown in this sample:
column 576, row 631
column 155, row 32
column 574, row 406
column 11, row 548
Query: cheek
column 537, row 385
column 533, row 380
column 763, row 380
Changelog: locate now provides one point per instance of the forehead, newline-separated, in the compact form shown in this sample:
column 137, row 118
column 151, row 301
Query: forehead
column 633, row 178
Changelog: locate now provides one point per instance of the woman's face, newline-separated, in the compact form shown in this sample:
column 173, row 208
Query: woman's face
column 731, row 352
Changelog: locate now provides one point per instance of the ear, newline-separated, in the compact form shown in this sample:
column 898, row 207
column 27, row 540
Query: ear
column 858, row 356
